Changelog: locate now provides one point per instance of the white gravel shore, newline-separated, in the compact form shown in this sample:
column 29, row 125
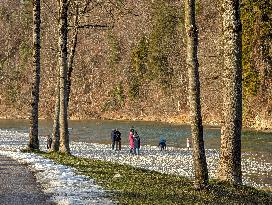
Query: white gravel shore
column 69, row 188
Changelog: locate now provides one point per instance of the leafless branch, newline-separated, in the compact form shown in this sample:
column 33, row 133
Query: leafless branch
column 94, row 26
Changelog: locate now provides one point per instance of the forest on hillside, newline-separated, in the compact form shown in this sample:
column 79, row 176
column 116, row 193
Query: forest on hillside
column 130, row 60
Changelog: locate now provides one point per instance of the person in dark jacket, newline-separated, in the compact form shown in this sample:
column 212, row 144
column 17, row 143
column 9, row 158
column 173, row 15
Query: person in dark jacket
column 118, row 139
column 113, row 138
column 137, row 143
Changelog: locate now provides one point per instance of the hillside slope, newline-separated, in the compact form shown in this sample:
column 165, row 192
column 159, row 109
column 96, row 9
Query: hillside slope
column 136, row 70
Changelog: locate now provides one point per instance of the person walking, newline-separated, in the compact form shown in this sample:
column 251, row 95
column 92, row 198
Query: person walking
column 113, row 138
column 137, row 143
column 117, row 139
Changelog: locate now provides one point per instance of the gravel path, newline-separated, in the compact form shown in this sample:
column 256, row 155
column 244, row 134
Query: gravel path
column 18, row 185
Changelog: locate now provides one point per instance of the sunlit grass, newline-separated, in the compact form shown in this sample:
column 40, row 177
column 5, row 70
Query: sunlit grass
column 130, row 185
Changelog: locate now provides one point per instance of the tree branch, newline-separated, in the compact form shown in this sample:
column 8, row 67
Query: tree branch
column 94, row 26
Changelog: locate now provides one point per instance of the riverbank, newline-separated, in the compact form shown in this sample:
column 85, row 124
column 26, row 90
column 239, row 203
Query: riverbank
column 152, row 166
column 178, row 161
column 75, row 180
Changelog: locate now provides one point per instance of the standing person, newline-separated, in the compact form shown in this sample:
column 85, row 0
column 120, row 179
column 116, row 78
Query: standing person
column 49, row 142
column 137, row 143
column 113, row 138
column 131, row 141
column 118, row 139
column 162, row 143
column 188, row 143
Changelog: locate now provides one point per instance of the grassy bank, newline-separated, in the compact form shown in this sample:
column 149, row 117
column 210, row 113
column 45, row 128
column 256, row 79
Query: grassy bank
column 130, row 185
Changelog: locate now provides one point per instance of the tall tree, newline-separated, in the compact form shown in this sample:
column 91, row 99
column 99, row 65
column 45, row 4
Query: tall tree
column 63, row 66
column 73, row 5
column 230, row 156
column 200, row 164
column 33, row 131
column 73, row 50
column 56, row 125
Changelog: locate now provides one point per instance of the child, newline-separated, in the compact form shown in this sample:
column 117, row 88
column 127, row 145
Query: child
column 49, row 142
column 188, row 143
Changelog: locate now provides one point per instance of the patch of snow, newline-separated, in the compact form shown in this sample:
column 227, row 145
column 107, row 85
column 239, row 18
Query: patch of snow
column 66, row 187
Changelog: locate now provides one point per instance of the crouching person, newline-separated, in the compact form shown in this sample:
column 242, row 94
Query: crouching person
column 162, row 144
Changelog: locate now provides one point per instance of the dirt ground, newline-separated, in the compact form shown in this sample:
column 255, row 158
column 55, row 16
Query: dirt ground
column 18, row 185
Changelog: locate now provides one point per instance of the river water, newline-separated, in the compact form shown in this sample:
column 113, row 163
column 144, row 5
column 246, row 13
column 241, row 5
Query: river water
column 150, row 132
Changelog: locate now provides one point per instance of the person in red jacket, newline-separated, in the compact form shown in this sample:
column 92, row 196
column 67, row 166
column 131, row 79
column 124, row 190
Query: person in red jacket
column 131, row 142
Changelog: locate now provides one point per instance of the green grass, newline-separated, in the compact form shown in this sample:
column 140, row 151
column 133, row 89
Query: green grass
column 139, row 186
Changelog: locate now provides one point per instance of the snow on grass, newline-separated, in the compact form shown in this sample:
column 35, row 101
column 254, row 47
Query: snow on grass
column 61, row 181
column 69, row 188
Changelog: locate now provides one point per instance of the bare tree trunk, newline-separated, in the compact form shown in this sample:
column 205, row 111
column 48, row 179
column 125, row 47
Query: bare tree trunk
column 56, row 126
column 33, row 130
column 230, row 156
column 72, row 55
column 200, row 164
column 63, row 63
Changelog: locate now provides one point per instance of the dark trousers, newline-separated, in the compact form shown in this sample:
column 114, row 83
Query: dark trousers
column 162, row 146
column 113, row 144
column 118, row 145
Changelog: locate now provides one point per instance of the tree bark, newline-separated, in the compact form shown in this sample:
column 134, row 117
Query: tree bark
column 230, row 156
column 33, row 131
column 200, row 164
column 56, row 125
column 72, row 55
column 63, row 63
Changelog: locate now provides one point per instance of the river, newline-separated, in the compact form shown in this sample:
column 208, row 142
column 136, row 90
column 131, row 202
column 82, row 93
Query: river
column 99, row 131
